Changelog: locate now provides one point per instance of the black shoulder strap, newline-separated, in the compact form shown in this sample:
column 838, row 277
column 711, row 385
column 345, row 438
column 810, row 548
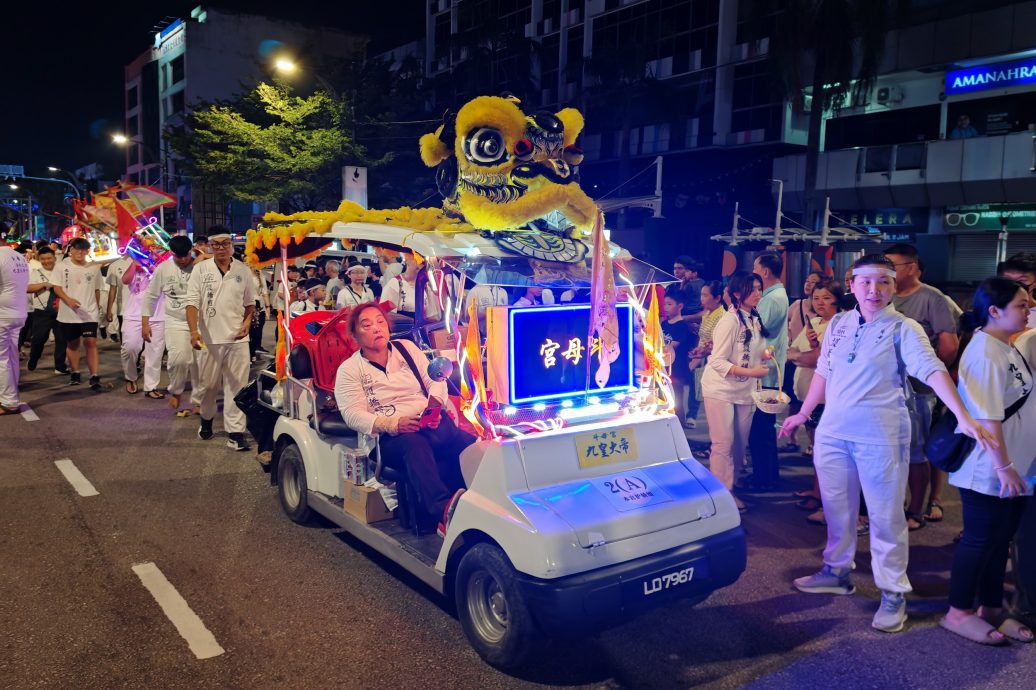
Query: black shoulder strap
column 1013, row 409
column 413, row 367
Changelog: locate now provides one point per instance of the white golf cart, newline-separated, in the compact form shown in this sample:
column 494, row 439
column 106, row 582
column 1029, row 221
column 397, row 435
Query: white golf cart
column 583, row 506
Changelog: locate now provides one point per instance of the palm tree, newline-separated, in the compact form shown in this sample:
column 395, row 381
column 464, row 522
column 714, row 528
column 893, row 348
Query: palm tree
column 838, row 45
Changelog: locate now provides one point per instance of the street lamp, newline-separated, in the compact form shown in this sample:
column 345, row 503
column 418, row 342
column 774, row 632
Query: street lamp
column 285, row 66
column 71, row 179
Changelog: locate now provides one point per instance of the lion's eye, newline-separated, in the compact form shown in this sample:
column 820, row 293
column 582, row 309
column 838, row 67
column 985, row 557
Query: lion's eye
column 485, row 146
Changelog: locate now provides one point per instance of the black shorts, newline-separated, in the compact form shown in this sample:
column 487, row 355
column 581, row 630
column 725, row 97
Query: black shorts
column 75, row 331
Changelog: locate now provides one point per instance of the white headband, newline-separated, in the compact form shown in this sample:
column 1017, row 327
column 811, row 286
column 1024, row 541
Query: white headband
column 873, row 271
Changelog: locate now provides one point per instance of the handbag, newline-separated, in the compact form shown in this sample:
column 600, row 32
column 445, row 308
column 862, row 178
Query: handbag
column 946, row 449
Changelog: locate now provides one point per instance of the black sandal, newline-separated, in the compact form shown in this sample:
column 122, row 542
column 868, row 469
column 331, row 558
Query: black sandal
column 933, row 517
column 809, row 503
column 918, row 520
column 155, row 395
column 5, row 410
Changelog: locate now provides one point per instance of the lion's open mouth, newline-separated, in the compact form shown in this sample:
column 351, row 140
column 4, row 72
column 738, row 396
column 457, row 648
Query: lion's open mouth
column 497, row 188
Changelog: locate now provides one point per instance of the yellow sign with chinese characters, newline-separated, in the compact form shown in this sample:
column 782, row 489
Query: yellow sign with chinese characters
column 606, row 447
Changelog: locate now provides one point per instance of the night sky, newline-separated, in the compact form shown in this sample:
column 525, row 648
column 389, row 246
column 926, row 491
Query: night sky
column 63, row 82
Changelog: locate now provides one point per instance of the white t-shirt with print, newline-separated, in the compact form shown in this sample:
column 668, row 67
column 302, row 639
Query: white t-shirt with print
column 348, row 298
column 992, row 377
column 81, row 283
column 39, row 300
column 114, row 279
column 133, row 296
column 220, row 299
column 166, row 297
column 14, row 281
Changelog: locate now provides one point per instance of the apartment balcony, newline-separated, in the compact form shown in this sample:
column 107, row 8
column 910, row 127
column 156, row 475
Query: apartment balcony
column 980, row 170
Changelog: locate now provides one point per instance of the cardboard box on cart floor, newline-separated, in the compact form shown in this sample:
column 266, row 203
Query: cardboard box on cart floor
column 364, row 503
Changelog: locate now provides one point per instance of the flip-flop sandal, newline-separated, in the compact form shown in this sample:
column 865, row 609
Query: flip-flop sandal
column 155, row 395
column 930, row 515
column 809, row 503
column 975, row 629
column 184, row 413
column 131, row 387
column 914, row 522
column 817, row 518
column 1017, row 631
column 5, row 410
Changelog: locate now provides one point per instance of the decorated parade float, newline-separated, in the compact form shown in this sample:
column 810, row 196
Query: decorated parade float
column 584, row 504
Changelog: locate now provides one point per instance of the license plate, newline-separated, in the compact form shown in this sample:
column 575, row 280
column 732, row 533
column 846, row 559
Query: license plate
column 668, row 581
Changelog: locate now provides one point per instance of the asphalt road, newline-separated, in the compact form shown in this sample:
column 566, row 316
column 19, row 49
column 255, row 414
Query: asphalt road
column 309, row 607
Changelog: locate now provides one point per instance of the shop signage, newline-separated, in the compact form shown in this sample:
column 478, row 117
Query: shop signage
column 987, row 217
column 905, row 220
column 997, row 76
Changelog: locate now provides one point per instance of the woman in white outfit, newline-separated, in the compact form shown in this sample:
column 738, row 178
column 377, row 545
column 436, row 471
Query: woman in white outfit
column 994, row 381
column 736, row 362
column 863, row 439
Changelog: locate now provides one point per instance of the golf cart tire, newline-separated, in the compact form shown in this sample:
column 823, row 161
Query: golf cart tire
column 291, row 485
column 492, row 608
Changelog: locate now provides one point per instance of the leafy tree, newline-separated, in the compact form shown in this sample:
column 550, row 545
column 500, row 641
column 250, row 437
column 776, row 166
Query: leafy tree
column 270, row 145
column 834, row 46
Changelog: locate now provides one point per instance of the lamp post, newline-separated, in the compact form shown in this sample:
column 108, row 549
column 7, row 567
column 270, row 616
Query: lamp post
column 122, row 140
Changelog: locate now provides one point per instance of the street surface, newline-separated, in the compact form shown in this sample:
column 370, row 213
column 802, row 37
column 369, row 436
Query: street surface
column 279, row 605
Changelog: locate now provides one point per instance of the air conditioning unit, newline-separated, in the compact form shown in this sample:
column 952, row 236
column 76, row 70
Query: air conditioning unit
column 889, row 95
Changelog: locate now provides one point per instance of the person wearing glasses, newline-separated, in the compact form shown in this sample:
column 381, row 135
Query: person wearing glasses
column 79, row 288
column 1021, row 268
column 737, row 361
column 927, row 306
column 863, row 438
column 219, row 306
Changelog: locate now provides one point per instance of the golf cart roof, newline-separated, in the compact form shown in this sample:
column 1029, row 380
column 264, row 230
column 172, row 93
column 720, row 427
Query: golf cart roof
column 481, row 258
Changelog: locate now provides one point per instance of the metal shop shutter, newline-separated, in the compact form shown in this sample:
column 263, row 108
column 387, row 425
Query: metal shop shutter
column 974, row 257
column 1021, row 242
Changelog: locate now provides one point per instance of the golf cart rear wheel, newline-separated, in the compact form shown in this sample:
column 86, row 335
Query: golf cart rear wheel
column 492, row 608
column 291, row 485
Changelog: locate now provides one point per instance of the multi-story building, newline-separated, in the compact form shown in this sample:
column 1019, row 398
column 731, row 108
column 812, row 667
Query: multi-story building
column 942, row 151
column 212, row 55
column 692, row 81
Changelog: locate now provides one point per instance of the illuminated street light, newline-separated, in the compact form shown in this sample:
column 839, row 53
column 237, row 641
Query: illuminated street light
column 53, row 169
column 13, row 186
column 285, row 66
column 120, row 139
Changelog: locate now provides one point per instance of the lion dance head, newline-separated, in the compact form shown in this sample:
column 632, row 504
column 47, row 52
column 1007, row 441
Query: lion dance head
column 500, row 168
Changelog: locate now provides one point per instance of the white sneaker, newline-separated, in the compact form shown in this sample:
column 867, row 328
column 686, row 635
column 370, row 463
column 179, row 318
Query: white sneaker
column 826, row 581
column 891, row 613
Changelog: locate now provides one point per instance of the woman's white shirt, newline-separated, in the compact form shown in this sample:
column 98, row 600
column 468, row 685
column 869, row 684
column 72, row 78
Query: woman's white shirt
column 865, row 401
column 991, row 378
column 729, row 350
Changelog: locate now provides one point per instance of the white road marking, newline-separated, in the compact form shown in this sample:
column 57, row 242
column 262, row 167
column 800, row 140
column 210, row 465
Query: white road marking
column 175, row 607
column 28, row 415
column 80, row 483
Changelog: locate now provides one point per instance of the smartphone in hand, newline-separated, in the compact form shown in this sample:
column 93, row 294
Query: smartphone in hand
column 430, row 416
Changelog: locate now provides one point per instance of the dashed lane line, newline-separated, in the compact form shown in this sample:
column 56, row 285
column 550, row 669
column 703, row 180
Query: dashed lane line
column 28, row 415
column 80, row 483
column 199, row 639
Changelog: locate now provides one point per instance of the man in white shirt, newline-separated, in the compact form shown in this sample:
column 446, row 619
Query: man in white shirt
column 167, row 296
column 401, row 292
column 45, row 312
column 355, row 292
column 484, row 297
column 277, row 288
column 14, row 283
column 79, row 287
column 315, row 294
column 334, row 283
column 384, row 389
column 220, row 303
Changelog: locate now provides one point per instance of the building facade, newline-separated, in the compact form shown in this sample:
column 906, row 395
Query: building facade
column 211, row 55
column 941, row 151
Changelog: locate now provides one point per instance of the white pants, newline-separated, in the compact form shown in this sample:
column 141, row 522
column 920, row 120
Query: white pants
column 843, row 469
column 133, row 343
column 729, row 425
column 231, row 362
column 184, row 363
column 10, row 367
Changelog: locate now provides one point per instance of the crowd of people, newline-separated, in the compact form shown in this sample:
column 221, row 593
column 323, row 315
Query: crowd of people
column 867, row 364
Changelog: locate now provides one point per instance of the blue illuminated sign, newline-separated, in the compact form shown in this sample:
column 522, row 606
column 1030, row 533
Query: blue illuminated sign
column 997, row 76
column 549, row 349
